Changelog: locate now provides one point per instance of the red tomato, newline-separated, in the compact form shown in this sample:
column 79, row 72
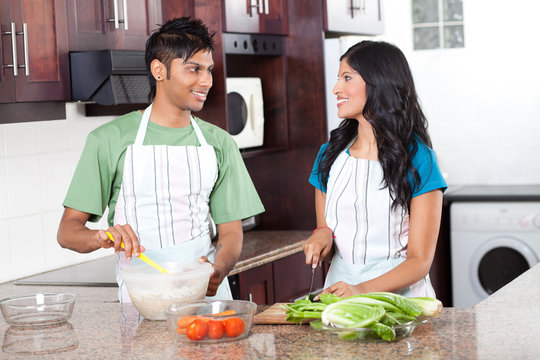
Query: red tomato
column 197, row 330
column 234, row 327
column 216, row 329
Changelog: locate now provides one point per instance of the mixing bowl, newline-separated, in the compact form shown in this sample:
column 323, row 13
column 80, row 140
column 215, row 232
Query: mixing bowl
column 152, row 291
column 236, row 317
column 38, row 309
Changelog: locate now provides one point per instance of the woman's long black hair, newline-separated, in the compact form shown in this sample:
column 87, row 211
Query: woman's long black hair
column 392, row 109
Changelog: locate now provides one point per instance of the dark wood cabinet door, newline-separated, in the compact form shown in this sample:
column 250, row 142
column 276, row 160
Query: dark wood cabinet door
column 256, row 285
column 292, row 278
column 7, row 78
column 143, row 17
column 256, row 16
column 41, row 48
column 92, row 24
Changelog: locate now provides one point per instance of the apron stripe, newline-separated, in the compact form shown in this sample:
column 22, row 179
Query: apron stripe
column 134, row 198
column 328, row 194
column 158, row 219
column 169, row 193
column 367, row 215
column 355, row 210
column 190, row 191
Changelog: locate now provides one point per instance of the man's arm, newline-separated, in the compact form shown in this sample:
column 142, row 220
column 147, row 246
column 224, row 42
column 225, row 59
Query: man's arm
column 73, row 234
column 228, row 251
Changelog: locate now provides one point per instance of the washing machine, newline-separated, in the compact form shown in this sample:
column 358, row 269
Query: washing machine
column 491, row 244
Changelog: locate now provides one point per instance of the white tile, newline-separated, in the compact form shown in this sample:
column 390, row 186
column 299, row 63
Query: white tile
column 21, row 138
column 26, row 246
column 24, row 185
column 2, row 142
column 3, row 190
column 55, row 256
column 55, row 179
column 53, row 136
column 5, row 264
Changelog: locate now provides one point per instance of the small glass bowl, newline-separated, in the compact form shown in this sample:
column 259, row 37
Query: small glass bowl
column 244, row 310
column 368, row 335
column 38, row 309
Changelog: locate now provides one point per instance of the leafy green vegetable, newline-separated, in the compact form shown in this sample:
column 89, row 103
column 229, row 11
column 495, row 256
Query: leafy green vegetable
column 429, row 306
column 378, row 311
column 400, row 301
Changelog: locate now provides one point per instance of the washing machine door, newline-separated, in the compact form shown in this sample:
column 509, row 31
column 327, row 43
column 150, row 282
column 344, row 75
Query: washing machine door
column 498, row 261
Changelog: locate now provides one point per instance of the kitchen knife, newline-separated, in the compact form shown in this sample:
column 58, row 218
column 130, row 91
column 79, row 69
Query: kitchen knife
column 312, row 276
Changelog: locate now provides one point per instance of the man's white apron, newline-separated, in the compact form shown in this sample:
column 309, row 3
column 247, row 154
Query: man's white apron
column 164, row 197
column 371, row 237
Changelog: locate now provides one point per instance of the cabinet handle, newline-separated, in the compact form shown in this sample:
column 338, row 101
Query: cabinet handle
column 250, row 297
column 115, row 19
column 261, row 7
column 125, row 15
column 266, row 7
column 252, row 4
column 24, row 33
column 353, row 8
column 13, row 34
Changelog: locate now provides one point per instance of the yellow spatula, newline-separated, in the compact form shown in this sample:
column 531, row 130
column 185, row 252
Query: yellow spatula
column 141, row 256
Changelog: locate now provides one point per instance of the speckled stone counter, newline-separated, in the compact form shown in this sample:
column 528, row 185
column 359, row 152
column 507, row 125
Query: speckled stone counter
column 504, row 326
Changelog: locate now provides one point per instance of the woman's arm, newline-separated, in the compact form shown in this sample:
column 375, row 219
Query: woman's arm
column 319, row 244
column 424, row 224
column 228, row 249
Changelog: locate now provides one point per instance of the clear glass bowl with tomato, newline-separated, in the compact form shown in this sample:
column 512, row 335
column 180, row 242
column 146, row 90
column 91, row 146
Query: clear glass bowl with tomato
column 211, row 321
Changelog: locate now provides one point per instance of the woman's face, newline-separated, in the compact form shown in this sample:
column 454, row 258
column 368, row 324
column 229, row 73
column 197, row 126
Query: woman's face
column 351, row 93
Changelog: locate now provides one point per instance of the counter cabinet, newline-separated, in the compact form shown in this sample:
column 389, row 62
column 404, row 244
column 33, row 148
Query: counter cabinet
column 283, row 280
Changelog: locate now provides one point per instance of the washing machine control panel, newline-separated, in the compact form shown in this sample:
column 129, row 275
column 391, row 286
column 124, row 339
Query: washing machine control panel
column 491, row 216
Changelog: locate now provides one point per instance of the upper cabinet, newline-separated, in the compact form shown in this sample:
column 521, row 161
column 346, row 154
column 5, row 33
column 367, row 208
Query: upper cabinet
column 112, row 24
column 364, row 17
column 33, row 50
column 256, row 16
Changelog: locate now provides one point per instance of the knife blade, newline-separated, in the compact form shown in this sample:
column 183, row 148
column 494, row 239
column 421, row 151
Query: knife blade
column 312, row 276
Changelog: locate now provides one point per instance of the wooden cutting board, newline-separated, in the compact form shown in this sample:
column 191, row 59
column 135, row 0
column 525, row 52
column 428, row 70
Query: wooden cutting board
column 274, row 315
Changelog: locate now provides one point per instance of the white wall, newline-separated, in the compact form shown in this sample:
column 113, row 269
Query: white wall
column 482, row 101
column 37, row 160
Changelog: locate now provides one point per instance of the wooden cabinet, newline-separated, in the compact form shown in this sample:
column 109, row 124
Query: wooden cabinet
column 256, row 16
column 354, row 16
column 292, row 278
column 33, row 50
column 283, row 280
column 112, row 24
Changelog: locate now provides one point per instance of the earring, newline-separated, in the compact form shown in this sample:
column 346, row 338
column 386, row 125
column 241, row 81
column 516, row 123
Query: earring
column 159, row 77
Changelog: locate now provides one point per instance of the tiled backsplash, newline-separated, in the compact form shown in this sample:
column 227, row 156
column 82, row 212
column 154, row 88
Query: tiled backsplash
column 37, row 160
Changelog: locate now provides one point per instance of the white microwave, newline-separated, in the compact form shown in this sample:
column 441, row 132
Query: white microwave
column 245, row 111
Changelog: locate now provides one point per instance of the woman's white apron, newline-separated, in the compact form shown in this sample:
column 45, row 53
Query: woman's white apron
column 370, row 237
column 164, row 197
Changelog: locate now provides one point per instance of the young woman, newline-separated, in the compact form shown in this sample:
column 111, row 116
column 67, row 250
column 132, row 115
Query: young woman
column 378, row 188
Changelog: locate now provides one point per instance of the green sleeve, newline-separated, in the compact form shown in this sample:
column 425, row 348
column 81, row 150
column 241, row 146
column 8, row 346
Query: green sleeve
column 91, row 184
column 234, row 196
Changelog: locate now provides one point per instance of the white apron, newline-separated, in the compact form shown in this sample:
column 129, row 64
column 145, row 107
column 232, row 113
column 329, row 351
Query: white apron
column 370, row 237
column 164, row 197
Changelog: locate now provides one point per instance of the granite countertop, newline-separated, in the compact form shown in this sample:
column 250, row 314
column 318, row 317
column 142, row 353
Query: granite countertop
column 501, row 327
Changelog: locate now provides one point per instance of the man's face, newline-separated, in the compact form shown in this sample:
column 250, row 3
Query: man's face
column 188, row 84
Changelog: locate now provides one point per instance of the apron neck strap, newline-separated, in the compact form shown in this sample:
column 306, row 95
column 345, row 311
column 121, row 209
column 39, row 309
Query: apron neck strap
column 141, row 133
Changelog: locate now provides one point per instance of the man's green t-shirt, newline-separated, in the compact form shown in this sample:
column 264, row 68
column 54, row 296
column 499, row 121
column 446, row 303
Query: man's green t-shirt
column 98, row 175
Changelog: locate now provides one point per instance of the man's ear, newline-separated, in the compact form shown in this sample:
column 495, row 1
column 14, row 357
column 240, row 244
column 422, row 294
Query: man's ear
column 158, row 69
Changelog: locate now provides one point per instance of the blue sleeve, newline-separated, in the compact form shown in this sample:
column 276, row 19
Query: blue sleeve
column 314, row 177
column 425, row 162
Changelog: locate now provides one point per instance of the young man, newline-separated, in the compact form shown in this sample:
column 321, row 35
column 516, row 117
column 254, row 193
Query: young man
column 162, row 172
